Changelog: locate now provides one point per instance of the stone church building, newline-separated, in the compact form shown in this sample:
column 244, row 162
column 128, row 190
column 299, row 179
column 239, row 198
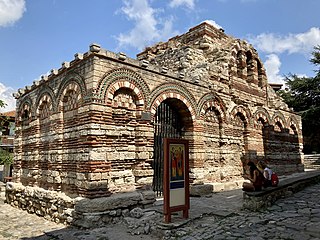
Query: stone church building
column 95, row 126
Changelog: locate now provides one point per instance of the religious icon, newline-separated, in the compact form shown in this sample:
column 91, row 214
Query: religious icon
column 177, row 162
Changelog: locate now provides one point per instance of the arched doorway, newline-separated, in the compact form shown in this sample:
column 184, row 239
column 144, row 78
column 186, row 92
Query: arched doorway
column 172, row 119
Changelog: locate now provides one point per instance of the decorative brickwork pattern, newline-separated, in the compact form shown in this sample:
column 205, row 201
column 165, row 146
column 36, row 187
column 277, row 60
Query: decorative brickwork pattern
column 89, row 128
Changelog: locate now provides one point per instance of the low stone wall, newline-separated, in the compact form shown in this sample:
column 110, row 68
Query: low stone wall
column 51, row 205
column 82, row 212
column 256, row 201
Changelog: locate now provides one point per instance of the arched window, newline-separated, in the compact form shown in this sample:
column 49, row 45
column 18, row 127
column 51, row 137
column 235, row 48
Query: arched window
column 241, row 64
column 260, row 74
column 250, row 66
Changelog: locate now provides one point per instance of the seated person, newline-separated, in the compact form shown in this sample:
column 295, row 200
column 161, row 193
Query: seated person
column 267, row 173
column 256, row 179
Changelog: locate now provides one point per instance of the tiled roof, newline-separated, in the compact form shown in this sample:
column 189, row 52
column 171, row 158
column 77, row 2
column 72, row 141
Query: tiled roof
column 9, row 114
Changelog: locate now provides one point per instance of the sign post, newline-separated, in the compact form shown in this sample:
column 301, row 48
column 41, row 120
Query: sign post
column 176, row 177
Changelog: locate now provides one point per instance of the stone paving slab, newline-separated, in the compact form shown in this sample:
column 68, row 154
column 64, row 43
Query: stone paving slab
column 15, row 223
column 216, row 216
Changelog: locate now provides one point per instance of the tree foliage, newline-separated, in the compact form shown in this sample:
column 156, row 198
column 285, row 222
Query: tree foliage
column 6, row 157
column 303, row 95
column 2, row 103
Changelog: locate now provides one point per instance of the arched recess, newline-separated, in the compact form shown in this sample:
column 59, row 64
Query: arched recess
column 262, row 78
column 42, row 155
column 242, row 111
column 212, row 113
column 279, row 122
column 278, row 137
column 124, row 95
column 126, row 101
column 25, row 112
column 70, row 99
column 241, row 64
column 211, row 100
column 172, row 117
column 121, row 78
column 261, row 126
column 24, row 117
column 72, row 81
column 240, row 119
column 45, row 94
column 293, row 127
column 261, row 116
column 250, row 64
column 44, row 106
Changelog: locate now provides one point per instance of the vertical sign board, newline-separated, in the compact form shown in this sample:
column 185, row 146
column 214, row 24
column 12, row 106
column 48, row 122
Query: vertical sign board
column 176, row 177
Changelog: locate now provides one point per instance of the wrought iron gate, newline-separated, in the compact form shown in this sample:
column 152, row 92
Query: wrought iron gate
column 167, row 125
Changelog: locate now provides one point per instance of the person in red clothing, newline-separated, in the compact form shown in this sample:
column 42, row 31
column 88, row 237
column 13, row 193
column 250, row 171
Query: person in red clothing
column 256, row 179
column 267, row 173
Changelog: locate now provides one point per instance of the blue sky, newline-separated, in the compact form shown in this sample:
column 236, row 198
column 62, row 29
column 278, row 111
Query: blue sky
column 37, row 36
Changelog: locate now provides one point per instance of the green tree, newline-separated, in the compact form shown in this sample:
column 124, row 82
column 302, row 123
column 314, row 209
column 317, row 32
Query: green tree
column 303, row 95
column 6, row 157
column 2, row 103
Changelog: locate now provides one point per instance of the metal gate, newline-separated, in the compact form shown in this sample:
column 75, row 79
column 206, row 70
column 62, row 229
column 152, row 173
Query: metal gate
column 167, row 125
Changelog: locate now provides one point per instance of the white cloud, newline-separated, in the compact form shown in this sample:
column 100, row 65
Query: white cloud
column 213, row 23
column 11, row 11
column 147, row 28
column 291, row 43
column 272, row 65
column 7, row 98
column 275, row 44
column 177, row 3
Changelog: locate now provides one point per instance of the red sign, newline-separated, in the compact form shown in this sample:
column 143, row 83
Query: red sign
column 176, row 177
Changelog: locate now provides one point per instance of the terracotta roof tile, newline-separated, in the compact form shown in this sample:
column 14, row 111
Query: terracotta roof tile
column 9, row 114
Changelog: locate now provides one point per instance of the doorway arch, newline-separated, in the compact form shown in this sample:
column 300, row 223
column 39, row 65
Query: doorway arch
column 171, row 120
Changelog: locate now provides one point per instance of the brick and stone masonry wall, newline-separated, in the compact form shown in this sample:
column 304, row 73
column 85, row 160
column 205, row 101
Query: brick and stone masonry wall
column 87, row 129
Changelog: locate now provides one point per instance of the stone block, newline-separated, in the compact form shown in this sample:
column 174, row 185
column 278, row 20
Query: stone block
column 94, row 176
column 121, row 200
column 144, row 180
column 143, row 173
column 200, row 190
column 148, row 195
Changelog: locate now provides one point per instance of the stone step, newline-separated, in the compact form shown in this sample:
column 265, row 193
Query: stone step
column 312, row 166
column 312, row 158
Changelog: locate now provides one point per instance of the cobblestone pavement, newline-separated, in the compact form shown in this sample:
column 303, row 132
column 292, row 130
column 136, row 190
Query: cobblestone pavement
column 295, row 217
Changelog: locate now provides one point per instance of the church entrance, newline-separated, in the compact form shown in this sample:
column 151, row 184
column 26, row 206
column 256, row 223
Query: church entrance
column 167, row 124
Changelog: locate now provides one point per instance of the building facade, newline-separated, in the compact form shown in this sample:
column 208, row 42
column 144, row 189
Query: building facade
column 95, row 126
